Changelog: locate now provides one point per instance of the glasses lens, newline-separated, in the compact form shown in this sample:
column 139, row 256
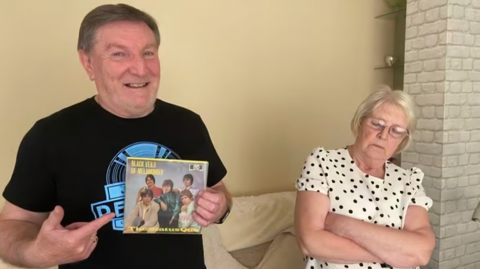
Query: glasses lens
column 377, row 124
column 398, row 132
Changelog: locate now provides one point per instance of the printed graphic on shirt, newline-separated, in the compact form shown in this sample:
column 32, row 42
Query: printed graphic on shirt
column 115, row 178
column 160, row 194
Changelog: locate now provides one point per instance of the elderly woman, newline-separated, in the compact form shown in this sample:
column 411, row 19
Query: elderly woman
column 356, row 209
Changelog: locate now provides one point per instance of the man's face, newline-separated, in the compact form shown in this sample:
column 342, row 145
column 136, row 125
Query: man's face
column 125, row 66
column 186, row 200
column 187, row 182
column 150, row 182
column 167, row 188
column 146, row 199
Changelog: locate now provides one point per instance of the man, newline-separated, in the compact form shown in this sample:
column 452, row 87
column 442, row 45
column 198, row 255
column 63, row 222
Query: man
column 144, row 215
column 185, row 219
column 169, row 203
column 65, row 198
column 150, row 181
column 188, row 182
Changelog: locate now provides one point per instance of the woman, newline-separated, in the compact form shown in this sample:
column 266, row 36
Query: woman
column 356, row 209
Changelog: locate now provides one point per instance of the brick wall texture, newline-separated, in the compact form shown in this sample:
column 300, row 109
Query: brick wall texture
column 442, row 72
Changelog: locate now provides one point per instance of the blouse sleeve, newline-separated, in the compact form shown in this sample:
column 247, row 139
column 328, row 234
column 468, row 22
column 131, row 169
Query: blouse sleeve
column 313, row 177
column 420, row 198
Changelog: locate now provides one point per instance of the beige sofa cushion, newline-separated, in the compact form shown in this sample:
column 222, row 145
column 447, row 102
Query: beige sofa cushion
column 251, row 257
column 216, row 256
column 255, row 220
column 283, row 253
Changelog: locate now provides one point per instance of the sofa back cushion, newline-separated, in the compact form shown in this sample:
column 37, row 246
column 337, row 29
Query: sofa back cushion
column 255, row 220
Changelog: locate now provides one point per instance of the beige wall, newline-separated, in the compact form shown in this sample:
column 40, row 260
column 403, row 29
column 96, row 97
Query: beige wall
column 272, row 79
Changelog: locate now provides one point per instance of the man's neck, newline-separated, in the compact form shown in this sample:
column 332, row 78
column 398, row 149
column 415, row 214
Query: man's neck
column 117, row 113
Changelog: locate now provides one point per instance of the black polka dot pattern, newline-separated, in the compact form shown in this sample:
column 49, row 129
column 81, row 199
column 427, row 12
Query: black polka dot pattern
column 361, row 195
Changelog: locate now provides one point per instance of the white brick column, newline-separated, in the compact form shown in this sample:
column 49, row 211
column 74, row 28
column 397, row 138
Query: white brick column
column 442, row 72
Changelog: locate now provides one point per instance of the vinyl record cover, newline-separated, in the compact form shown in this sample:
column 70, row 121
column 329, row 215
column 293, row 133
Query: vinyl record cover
column 160, row 195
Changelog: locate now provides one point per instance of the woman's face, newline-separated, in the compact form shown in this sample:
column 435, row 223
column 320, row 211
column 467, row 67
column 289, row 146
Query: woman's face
column 379, row 144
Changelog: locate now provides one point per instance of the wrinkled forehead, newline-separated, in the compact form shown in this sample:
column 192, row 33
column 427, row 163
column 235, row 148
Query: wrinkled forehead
column 123, row 33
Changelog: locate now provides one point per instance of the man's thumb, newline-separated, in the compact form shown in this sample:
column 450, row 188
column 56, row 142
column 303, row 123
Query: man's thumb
column 53, row 221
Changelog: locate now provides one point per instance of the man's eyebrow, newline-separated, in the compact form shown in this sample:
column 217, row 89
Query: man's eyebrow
column 151, row 45
column 115, row 45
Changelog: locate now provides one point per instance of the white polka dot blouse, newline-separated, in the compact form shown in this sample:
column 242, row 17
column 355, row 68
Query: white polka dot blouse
column 358, row 195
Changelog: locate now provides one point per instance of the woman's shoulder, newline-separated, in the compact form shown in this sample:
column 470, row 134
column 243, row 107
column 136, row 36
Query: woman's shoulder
column 413, row 172
column 334, row 155
column 320, row 150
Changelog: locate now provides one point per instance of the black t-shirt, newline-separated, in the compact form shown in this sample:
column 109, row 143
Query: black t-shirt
column 76, row 157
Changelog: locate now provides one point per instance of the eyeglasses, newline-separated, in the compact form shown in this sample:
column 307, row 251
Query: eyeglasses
column 395, row 130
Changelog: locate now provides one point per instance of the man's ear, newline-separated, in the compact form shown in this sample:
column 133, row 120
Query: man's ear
column 86, row 62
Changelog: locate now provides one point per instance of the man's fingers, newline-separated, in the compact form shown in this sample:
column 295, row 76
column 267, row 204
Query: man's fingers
column 90, row 246
column 198, row 219
column 54, row 219
column 93, row 226
column 206, row 215
column 75, row 225
column 207, row 205
column 211, row 195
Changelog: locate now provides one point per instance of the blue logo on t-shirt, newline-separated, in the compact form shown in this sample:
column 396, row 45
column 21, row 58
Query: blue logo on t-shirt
column 115, row 178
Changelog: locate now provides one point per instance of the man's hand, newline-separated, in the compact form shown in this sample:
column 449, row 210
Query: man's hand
column 210, row 205
column 163, row 206
column 56, row 245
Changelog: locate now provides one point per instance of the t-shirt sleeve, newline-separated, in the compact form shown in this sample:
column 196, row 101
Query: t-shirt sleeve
column 313, row 178
column 32, row 184
column 420, row 198
column 207, row 152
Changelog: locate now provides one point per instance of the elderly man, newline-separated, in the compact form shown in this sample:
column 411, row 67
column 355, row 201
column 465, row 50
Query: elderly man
column 65, row 198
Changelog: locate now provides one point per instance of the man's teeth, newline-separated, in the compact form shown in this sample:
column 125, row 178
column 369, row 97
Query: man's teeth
column 135, row 85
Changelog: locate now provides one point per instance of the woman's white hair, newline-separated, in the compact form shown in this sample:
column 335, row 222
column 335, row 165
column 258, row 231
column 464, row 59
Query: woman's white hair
column 398, row 98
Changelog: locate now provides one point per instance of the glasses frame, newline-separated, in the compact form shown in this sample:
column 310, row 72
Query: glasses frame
column 369, row 121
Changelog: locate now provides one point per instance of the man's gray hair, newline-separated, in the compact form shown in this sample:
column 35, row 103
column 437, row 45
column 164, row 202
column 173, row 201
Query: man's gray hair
column 111, row 13
column 386, row 95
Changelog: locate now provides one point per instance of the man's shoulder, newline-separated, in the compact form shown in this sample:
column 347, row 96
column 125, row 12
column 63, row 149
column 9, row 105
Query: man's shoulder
column 62, row 118
column 155, row 206
column 176, row 111
column 69, row 113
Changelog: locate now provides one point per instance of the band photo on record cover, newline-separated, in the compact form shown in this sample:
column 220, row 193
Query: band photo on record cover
column 160, row 195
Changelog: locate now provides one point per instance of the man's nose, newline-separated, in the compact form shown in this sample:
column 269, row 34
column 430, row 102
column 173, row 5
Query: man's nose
column 138, row 66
